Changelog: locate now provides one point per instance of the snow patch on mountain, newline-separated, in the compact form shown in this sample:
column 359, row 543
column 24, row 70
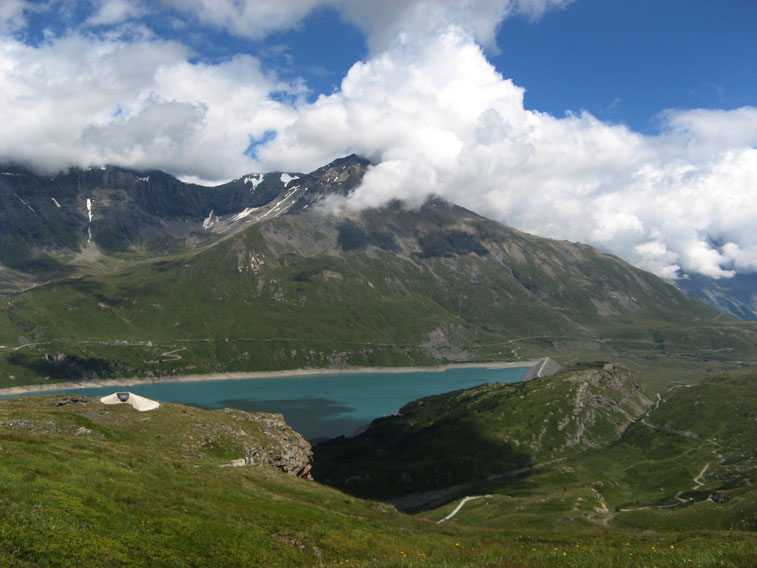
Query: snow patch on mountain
column 89, row 215
column 25, row 203
column 254, row 180
column 244, row 213
column 286, row 178
column 209, row 221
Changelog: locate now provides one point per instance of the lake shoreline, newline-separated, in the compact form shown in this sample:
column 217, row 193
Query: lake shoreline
column 69, row 385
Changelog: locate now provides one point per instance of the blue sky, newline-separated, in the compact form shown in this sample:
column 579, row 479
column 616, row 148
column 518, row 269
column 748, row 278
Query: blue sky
column 630, row 125
column 628, row 60
column 621, row 60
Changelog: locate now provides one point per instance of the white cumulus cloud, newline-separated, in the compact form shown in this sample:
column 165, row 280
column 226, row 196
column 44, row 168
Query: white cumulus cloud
column 382, row 21
column 116, row 11
column 252, row 18
column 12, row 14
column 441, row 120
column 426, row 105
column 83, row 101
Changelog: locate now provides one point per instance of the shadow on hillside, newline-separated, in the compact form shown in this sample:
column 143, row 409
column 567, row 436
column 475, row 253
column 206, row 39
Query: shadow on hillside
column 65, row 367
column 385, row 462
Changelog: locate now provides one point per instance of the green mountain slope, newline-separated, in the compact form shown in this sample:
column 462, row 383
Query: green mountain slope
column 121, row 273
column 385, row 287
column 494, row 431
column 584, row 447
column 688, row 464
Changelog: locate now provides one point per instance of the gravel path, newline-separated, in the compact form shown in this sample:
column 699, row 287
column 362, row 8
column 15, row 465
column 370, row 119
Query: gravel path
column 460, row 506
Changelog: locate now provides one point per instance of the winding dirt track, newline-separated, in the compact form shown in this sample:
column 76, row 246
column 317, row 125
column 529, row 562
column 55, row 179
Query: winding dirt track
column 460, row 506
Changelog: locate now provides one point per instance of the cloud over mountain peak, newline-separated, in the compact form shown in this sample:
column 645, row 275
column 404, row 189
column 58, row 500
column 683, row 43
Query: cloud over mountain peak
column 425, row 104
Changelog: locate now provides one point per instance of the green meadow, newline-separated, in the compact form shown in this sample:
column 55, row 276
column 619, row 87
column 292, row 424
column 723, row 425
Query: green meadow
column 89, row 485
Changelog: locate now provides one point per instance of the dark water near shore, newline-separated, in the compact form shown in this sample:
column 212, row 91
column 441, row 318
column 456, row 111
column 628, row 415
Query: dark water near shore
column 318, row 406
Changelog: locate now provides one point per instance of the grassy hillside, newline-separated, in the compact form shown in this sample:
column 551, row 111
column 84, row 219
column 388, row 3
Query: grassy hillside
column 88, row 485
column 387, row 288
column 583, row 447
column 494, row 431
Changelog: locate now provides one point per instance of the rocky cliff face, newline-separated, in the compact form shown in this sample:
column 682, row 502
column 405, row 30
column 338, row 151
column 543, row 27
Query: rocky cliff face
column 286, row 449
column 603, row 403
column 46, row 220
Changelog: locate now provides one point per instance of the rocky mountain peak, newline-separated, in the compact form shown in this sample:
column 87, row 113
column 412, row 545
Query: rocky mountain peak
column 46, row 222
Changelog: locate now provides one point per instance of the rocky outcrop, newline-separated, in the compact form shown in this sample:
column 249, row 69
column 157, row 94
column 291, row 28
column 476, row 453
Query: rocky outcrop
column 284, row 449
column 604, row 403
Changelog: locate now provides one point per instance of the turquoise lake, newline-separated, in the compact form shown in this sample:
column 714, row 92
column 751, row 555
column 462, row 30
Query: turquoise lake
column 318, row 406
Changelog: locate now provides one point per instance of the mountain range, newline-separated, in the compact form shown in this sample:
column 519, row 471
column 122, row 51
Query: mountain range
column 108, row 272
column 46, row 222
column 736, row 296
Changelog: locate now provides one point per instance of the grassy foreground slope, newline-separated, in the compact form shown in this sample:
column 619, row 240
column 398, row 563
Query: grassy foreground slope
column 88, row 485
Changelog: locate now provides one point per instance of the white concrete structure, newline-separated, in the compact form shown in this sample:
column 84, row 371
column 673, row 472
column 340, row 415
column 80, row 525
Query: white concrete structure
column 138, row 402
